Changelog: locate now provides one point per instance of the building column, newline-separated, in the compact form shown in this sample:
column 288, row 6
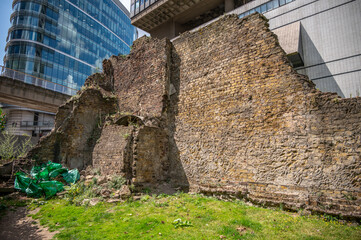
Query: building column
column 228, row 5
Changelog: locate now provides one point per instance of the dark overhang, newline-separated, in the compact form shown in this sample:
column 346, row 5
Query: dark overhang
column 180, row 11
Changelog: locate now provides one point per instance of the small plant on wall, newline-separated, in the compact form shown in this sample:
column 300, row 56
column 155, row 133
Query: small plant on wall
column 2, row 119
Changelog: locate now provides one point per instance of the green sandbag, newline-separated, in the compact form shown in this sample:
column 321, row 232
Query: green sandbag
column 35, row 171
column 71, row 176
column 56, row 172
column 39, row 182
column 43, row 174
column 34, row 190
column 51, row 187
column 22, row 181
column 52, row 166
column 27, row 185
column 50, row 170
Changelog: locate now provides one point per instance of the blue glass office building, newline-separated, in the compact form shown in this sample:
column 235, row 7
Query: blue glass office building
column 64, row 41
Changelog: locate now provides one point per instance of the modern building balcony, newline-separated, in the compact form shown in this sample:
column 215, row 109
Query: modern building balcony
column 168, row 18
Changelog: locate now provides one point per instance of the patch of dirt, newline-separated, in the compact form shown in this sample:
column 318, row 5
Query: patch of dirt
column 242, row 230
column 16, row 225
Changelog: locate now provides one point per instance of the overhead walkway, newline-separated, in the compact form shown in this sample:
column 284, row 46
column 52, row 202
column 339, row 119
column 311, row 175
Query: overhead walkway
column 24, row 90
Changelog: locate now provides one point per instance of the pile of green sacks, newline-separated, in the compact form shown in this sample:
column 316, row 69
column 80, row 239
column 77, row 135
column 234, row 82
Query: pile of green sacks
column 41, row 181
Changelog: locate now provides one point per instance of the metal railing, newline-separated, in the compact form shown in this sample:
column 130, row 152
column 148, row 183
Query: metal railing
column 30, row 124
column 137, row 6
column 26, row 78
column 36, row 124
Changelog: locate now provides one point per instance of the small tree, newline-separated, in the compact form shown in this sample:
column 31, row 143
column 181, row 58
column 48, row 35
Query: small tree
column 7, row 146
column 10, row 149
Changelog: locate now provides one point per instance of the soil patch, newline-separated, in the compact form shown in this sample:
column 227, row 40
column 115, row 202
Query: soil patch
column 15, row 224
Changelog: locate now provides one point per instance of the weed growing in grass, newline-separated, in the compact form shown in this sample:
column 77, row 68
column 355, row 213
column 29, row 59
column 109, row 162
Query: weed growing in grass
column 145, row 198
column 179, row 223
column 116, row 182
column 38, row 202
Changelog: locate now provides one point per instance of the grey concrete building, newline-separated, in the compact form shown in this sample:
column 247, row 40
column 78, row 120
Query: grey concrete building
column 321, row 37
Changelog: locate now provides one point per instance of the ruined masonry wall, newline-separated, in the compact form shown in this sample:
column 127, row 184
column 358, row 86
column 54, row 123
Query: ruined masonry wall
column 138, row 150
column 78, row 125
column 218, row 111
column 141, row 79
column 247, row 124
column 112, row 152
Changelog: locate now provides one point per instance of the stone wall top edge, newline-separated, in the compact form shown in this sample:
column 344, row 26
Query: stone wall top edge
column 219, row 21
column 145, row 40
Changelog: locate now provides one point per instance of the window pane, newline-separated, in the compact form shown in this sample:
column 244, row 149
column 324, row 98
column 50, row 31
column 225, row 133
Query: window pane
column 263, row 8
column 269, row 6
column 275, row 4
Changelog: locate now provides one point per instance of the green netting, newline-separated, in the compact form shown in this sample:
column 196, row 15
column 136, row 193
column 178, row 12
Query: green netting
column 40, row 180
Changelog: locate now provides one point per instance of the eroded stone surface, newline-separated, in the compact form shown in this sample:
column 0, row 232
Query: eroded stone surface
column 247, row 123
column 112, row 153
column 221, row 111
column 78, row 124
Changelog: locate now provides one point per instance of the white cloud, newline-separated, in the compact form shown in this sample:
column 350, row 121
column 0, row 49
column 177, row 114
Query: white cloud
column 71, row 33
column 70, row 80
column 99, row 63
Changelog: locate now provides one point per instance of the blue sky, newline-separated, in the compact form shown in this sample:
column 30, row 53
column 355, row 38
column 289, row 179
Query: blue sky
column 5, row 12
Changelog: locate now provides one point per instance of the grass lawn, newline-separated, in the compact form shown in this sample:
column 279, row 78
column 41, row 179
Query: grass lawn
column 185, row 216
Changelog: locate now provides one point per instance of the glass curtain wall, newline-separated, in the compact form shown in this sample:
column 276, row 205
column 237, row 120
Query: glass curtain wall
column 64, row 41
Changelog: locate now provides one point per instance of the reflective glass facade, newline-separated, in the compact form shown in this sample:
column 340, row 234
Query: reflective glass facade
column 64, row 41
column 137, row 6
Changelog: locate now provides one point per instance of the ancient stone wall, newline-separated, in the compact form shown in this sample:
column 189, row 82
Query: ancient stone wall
column 118, row 122
column 141, row 84
column 219, row 111
column 247, row 124
column 78, row 124
column 141, row 79
column 112, row 154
